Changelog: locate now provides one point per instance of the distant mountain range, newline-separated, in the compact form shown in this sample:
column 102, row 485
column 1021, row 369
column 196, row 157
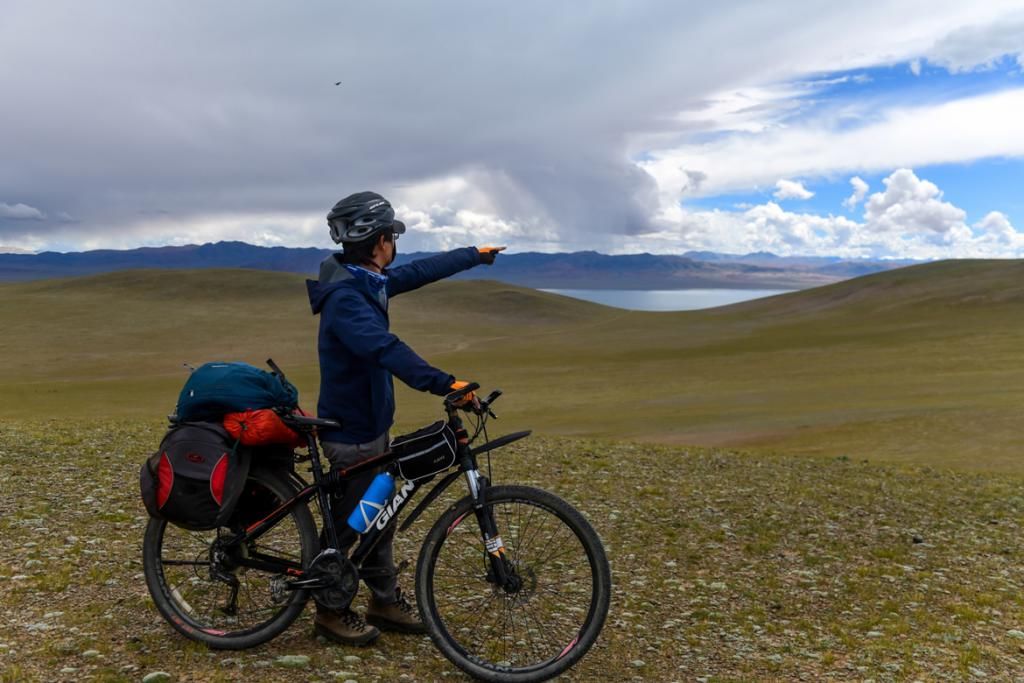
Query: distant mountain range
column 577, row 270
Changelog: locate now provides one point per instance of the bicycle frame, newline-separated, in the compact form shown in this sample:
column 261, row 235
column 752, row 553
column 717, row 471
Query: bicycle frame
column 323, row 482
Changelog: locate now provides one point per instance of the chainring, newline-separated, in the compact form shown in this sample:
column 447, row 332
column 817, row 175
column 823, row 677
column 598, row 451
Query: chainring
column 340, row 576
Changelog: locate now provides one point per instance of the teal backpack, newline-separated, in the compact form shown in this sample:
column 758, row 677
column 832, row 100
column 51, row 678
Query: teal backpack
column 214, row 389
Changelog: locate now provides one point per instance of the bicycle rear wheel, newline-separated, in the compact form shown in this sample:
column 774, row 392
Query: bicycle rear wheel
column 200, row 590
column 535, row 629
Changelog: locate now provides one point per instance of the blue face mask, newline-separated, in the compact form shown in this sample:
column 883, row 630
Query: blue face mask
column 377, row 282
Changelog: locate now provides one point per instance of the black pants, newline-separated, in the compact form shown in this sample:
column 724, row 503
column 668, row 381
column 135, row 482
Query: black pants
column 380, row 562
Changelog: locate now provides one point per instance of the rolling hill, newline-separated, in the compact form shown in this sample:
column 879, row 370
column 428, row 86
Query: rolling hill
column 585, row 269
column 919, row 364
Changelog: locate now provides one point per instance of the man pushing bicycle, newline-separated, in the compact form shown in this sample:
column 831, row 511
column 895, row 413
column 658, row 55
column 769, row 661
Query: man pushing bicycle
column 358, row 358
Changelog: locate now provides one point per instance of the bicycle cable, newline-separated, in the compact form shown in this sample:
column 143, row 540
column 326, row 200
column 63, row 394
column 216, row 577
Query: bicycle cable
column 481, row 427
column 487, row 438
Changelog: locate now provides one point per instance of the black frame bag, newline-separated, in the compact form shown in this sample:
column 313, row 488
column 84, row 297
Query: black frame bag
column 425, row 452
column 195, row 479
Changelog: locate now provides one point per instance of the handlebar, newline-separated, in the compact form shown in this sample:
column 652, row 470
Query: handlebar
column 490, row 399
column 451, row 401
column 456, row 396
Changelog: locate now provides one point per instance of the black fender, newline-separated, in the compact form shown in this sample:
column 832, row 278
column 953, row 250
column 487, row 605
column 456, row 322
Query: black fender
column 501, row 441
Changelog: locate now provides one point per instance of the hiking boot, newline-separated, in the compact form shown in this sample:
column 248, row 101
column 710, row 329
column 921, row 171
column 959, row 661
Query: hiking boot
column 398, row 616
column 345, row 627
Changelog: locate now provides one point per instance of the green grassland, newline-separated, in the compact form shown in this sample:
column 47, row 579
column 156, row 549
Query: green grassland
column 893, row 553
column 917, row 365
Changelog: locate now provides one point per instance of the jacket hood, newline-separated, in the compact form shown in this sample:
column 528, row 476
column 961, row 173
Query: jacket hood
column 333, row 274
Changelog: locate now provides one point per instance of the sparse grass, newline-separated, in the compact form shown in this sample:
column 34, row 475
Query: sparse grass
column 727, row 565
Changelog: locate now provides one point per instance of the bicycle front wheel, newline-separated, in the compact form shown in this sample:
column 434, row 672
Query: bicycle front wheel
column 534, row 627
column 202, row 587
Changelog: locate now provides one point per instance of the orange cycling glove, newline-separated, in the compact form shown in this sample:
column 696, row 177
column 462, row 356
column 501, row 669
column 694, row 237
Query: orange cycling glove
column 468, row 398
column 488, row 254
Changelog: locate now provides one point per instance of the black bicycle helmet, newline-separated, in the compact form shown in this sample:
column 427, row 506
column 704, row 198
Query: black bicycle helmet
column 362, row 216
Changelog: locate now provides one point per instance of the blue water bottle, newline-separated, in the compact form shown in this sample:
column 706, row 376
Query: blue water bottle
column 372, row 503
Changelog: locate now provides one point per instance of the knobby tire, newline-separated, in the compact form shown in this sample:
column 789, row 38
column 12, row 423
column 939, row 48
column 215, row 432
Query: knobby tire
column 172, row 599
column 545, row 627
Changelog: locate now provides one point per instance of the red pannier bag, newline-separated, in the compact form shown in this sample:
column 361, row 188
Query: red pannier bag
column 262, row 427
column 196, row 478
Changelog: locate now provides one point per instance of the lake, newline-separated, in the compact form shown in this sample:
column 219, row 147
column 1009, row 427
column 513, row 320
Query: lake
column 666, row 299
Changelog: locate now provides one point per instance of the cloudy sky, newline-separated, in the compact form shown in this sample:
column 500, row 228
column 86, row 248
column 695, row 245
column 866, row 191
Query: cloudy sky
column 891, row 129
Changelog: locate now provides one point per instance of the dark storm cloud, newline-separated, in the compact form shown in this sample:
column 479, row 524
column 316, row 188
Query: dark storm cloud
column 118, row 110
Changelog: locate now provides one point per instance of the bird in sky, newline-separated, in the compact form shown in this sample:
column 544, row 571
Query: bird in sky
column 338, row 83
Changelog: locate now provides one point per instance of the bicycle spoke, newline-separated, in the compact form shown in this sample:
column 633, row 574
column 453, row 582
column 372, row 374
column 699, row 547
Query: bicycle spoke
column 199, row 598
column 541, row 626
column 523, row 531
column 511, row 622
column 546, row 562
column 525, row 541
column 520, row 628
column 549, row 545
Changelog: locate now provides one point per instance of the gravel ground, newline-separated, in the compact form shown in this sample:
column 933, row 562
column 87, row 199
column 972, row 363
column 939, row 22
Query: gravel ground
column 727, row 566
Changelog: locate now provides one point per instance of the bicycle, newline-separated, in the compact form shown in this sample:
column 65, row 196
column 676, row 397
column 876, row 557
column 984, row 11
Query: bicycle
column 525, row 607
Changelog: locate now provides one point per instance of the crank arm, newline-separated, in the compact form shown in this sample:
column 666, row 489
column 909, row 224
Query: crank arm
column 311, row 584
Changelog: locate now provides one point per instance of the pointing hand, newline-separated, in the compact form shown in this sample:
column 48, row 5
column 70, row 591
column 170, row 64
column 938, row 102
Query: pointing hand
column 488, row 254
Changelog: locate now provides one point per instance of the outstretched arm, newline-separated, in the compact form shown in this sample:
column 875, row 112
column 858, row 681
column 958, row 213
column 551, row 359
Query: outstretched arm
column 426, row 270
column 364, row 334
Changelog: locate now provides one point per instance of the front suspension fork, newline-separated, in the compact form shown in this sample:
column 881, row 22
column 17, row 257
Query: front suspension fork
column 501, row 570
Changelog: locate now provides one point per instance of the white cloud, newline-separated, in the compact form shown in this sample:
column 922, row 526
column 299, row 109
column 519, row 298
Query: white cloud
column 748, row 109
column 915, row 67
column 549, row 131
column 21, row 212
column 694, row 179
column 443, row 227
column 909, row 219
column 474, row 207
column 791, row 189
column 996, row 224
column 860, row 188
column 440, row 214
column 961, row 130
column 980, row 46
column 264, row 229
column 911, row 205
column 995, row 236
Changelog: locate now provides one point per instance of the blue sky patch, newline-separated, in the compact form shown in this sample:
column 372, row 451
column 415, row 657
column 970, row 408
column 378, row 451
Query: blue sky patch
column 977, row 188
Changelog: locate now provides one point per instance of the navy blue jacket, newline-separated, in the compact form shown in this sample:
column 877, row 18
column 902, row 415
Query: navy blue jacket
column 358, row 354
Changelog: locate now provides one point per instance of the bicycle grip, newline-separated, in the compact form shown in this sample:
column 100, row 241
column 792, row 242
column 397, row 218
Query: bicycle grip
column 461, row 393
